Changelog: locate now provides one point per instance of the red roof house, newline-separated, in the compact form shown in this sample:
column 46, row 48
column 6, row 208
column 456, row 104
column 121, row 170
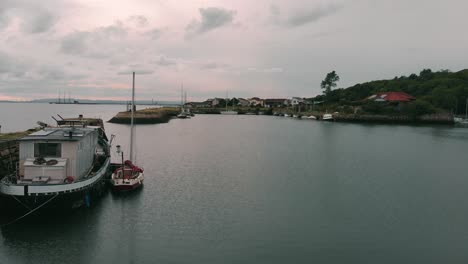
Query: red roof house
column 391, row 97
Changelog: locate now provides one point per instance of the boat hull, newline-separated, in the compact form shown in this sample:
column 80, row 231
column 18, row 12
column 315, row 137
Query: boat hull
column 127, row 187
column 62, row 201
column 119, row 184
column 71, row 195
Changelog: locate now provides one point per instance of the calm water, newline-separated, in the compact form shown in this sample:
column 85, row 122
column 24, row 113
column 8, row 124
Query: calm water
column 258, row 189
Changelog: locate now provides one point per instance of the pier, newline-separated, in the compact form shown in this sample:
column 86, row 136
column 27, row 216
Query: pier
column 146, row 116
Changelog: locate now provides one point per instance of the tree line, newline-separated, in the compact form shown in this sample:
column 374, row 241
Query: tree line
column 434, row 91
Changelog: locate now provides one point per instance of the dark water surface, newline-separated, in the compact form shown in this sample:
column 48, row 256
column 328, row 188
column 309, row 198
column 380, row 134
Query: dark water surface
column 260, row 189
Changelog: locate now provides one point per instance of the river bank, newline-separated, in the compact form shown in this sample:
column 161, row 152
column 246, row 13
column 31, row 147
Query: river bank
column 442, row 119
column 163, row 115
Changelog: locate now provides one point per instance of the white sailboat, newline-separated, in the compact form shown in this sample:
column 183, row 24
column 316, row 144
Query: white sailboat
column 228, row 112
column 128, row 176
column 463, row 121
column 183, row 112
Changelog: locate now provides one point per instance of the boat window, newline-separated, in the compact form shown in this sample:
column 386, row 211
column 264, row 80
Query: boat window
column 48, row 150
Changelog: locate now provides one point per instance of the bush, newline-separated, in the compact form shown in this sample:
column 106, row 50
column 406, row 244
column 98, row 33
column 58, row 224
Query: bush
column 419, row 108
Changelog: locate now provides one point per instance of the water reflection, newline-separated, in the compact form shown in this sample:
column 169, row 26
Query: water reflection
column 47, row 236
column 270, row 190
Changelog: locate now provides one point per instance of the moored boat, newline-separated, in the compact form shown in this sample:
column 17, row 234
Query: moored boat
column 229, row 112
column 128, row 176
column 63, row 165
column 327, row 117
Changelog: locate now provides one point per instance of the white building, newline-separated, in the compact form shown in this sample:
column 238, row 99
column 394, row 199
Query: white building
column 296, row 101
column 255, row 101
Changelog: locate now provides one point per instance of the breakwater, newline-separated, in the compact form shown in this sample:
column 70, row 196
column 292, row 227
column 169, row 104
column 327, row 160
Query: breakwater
column 146, row 116
column 398, row 119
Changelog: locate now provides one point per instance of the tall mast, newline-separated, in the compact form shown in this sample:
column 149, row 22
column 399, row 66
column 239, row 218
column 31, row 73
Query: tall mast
column 181, row 96
column 131, row 120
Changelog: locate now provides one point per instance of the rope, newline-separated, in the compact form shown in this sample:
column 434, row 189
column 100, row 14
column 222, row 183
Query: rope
column 27, row 207
column 28, row 213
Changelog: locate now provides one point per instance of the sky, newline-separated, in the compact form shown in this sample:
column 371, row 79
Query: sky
column 266, row 48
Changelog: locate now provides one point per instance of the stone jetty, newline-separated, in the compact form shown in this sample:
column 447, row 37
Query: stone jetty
column 146, row 116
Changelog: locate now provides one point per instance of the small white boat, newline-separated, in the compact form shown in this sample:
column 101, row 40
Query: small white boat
column 184, row 112
column 229, row 112
column 462, row 121
column 182, row 116
column 327, row 117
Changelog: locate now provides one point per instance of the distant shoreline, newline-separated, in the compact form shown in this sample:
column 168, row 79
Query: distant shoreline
column 92, row 103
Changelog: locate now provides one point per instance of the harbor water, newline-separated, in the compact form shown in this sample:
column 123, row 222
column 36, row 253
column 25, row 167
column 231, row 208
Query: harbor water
column 260, row 189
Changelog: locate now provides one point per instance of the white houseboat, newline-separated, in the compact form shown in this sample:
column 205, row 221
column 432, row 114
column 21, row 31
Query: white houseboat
column 67, row 162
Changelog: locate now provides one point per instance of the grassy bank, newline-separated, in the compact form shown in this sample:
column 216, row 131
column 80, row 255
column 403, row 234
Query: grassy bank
column 16, row 135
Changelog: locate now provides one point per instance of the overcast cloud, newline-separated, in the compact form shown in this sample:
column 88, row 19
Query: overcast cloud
column 211, row 18
column 265, row 48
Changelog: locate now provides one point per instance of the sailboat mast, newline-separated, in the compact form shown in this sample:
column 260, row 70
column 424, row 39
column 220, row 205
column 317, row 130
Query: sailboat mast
column 131, row 119
column 181, row 97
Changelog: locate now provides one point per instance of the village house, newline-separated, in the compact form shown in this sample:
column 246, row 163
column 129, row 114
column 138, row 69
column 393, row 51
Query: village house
column 215, row 101
column 396, row 98
column 205, row 104
column 399, row 97
column 270, row 103
column 255, row 101
column 243, row 102
column 296, row 101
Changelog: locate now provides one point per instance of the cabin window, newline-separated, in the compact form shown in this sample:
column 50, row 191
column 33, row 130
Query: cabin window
column 48, row 150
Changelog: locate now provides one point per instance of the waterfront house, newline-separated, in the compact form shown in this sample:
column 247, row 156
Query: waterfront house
column 215, row 102
column 205, row 104
column 243, row 102
column 270, row 103
column 255, row 101
column 296, row 101
column 399, row 97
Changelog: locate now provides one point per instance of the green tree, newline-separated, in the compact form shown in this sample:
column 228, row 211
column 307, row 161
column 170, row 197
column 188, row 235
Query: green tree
column 330, row 81
column 426, row 74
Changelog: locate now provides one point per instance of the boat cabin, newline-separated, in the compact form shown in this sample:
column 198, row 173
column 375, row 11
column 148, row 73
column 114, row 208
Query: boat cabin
column 127, row 173
column 57, row 155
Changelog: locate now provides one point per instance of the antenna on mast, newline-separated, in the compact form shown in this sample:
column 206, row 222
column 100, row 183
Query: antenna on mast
column 132, row 116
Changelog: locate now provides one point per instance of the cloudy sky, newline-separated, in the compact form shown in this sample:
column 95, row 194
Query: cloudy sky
column 266, row 48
